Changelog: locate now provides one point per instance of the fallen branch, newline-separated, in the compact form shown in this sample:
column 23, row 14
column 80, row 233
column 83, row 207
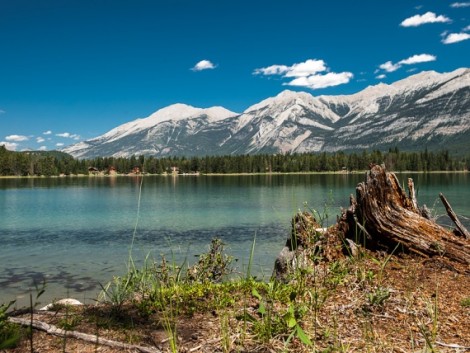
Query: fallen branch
column 454, row 218
column 55, row 331
column 452, row 345
column 448, row 345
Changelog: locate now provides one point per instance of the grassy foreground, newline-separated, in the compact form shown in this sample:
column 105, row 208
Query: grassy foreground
column 373, row 302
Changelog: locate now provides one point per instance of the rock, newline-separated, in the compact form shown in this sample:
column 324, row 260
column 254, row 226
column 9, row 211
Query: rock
column 284, row 262
column 292, row 255
column 66, row 301
column 307, row 244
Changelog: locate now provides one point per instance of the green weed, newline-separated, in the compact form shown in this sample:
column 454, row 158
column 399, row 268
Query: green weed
column 10, row 334
column 117, row 292
column 465, row 302
column 378, row 297
column 213, row 266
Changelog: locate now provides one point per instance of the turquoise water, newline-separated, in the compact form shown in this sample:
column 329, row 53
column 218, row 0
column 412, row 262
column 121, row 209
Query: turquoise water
column 75, row 233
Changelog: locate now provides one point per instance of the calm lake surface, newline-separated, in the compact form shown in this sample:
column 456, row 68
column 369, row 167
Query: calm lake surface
column 76, row 232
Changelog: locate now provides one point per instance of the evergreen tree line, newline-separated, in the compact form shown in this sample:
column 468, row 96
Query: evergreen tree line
column 55, row 163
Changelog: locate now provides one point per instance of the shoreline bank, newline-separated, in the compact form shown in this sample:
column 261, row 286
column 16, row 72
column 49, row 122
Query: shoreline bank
column 355, row 172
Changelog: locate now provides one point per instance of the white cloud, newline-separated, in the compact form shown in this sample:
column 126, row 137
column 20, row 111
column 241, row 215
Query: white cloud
column 389, row 66
column 428, row 17
column 455, row 37
column 303, row 69
column 466, row 29
column 306, row 74
column 272, row 70
column 460, row 4
column 203, row 65
column 415, row 59
column 43, row 148
column 40, row 139
column 9, row 145
column 380, row 76
column 307, row 68
column 48, row 132
column 60, row 144
column 64, row 134
column 16, row 138
column 322, row 81
column 69, row 135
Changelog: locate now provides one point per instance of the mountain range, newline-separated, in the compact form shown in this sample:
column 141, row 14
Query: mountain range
column 427, row 110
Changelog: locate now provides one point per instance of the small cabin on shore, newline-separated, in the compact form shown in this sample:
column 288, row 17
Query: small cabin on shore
column 93, row 170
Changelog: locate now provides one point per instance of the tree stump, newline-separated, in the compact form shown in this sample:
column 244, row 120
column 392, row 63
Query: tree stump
column 381, row 217
column 387, row 216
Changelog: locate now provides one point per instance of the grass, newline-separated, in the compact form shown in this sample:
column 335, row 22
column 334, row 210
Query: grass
column 465, row 302
column 10, row 334
column 306, row 313
column 370, row 303
column 263, row 310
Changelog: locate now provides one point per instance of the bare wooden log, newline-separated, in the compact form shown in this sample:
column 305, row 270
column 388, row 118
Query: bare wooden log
column 460, row 227
column 391, row 217
column 54, row 330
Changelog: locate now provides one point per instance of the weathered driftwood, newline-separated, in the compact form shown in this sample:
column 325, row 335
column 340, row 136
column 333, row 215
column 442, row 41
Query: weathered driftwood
column 389, row 217
column 54, row 330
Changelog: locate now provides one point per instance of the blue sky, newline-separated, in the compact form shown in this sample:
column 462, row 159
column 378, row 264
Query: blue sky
column 73, row 69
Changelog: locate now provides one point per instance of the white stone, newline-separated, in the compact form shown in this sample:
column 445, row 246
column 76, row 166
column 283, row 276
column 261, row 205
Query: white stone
column 66, row 301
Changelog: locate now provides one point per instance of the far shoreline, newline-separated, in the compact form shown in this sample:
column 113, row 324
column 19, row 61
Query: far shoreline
column 354, row 172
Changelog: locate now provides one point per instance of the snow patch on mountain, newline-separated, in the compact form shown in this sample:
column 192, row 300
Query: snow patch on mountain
column 172, row 113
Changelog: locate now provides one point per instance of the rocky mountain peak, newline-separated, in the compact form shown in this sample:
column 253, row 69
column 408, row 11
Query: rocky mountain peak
column 428, row 109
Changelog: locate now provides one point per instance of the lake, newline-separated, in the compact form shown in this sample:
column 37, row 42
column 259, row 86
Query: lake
column 76, row 232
